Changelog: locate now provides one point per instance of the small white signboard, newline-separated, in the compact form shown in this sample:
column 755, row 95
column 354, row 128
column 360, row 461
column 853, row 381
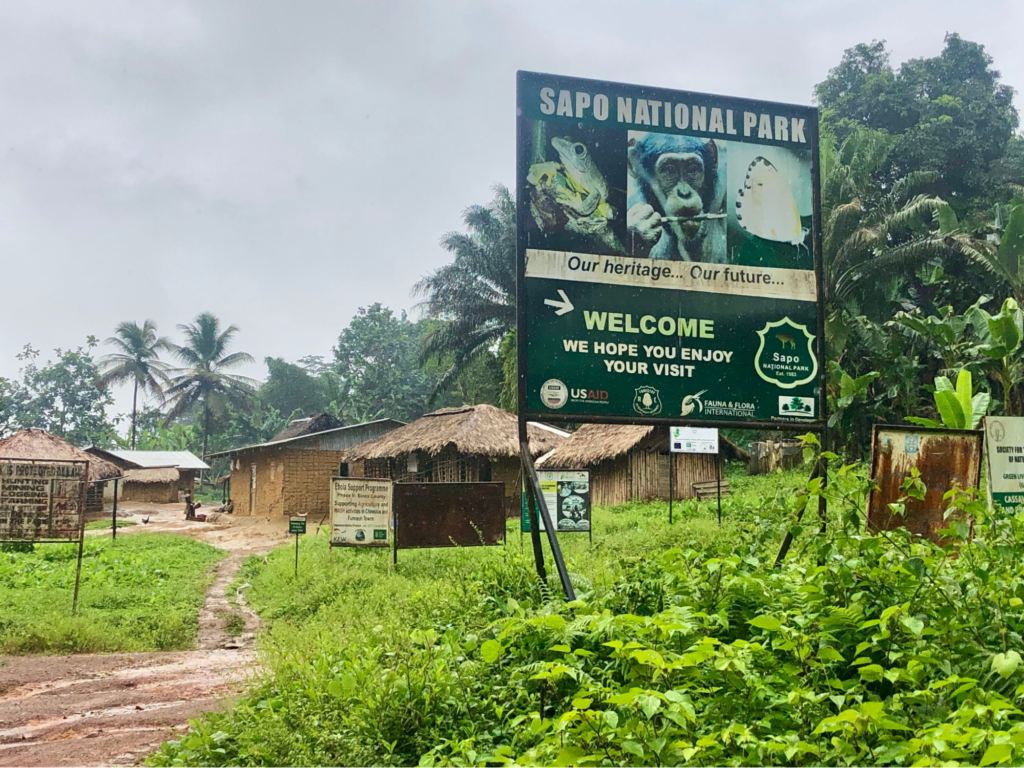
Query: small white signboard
column 1004, row 447
column 360, row 512
column 693, row 440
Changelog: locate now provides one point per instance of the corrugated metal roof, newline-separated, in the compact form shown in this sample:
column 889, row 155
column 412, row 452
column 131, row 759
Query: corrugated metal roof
column 315, row 435
column 150, row 459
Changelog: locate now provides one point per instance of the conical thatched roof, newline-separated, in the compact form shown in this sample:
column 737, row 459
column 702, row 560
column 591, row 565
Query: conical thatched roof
column 472, row 429
column 39, row 444
column 593, row 443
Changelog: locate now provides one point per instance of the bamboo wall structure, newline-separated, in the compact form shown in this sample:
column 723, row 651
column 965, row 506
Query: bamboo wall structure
column 640, row 475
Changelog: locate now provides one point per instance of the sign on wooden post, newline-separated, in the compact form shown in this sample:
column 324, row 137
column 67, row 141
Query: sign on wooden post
column 43, row 502
column 361, row 512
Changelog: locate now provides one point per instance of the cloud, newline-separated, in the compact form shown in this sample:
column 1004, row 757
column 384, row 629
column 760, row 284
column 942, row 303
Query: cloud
column 282, row 164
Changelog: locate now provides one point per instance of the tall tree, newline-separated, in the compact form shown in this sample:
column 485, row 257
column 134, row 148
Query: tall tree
column 203, row 380
column 948, row 114
column 475, row 295
column 291, row 389
column 376, row 362
column 63, row 396
column 137, row 360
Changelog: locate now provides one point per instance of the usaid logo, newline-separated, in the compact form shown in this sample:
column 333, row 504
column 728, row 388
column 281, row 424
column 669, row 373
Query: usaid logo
column 588, row 395
column 554, row 394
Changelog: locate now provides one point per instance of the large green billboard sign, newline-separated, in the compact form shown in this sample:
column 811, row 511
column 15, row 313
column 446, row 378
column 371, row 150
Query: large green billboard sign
column 667, row 265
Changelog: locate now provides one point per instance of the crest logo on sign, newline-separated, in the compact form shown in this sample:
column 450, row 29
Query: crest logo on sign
column 786, row 356
column 647, row 401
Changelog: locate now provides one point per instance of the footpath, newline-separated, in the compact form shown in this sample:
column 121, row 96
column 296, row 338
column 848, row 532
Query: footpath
column 113, row 709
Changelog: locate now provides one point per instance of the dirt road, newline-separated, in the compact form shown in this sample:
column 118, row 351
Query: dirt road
column 113, row 709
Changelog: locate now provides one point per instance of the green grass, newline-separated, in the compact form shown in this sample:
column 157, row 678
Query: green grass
column 351, row 610
column 234, row 623
column 103, row 525
column 138, row 593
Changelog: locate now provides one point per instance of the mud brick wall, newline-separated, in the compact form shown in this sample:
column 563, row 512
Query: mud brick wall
column 267, row 499
column 307, row 483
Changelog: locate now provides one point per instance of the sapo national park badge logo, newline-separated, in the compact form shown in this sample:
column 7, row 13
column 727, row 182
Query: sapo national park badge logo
column 786, row 357
column 647, row 401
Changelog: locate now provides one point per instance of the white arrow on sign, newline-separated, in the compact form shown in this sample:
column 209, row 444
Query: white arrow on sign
column 563, row 306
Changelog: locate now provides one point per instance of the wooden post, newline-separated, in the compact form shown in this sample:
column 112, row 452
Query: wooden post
column 718, row 465
column 113, row 514
column 671, row 489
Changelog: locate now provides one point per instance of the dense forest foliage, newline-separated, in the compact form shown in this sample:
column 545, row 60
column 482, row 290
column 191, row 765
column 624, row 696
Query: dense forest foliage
column 923, row 228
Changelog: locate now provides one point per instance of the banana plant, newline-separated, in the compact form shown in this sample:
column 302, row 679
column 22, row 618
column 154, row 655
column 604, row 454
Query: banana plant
column 1001, row 338
column 957, row 406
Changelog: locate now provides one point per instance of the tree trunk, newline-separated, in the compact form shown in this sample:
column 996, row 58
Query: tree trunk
column 206, row 425
column 135, row 397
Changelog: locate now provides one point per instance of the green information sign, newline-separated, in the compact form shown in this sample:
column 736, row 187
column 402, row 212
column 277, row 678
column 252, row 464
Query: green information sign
column 567, row 494
column 666, row 255
column 297, row 525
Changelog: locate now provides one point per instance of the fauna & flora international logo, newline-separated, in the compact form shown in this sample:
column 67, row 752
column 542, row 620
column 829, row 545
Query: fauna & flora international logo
column 786, row 356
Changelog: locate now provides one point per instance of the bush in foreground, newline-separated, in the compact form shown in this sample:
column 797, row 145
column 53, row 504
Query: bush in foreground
column 859, row 650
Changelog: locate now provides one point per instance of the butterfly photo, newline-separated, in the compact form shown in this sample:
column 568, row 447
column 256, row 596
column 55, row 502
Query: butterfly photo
column 769, row 206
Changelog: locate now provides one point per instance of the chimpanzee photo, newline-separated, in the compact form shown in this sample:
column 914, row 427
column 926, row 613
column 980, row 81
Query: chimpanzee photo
column 675, row 204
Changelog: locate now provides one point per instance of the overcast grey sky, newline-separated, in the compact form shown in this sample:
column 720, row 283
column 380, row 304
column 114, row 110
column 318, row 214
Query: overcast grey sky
column 284, row 163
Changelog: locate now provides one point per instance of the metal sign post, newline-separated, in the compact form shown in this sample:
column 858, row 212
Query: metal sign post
column 297, row 525
column 701, row 440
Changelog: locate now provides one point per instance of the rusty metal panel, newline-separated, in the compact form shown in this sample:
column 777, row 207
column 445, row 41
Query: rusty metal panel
column 449, row 514
column 42, row 501
column 944, row 457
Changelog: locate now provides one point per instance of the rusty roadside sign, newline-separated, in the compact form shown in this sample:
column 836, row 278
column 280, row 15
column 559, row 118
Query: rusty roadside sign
column 42, row 501
column 946, row 458
column 449, row 514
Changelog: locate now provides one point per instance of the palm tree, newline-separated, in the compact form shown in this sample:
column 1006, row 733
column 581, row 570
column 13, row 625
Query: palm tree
column 476, row 293
column 136, row 360
column 203, row 378
column 872, row 233
column 1001, row 252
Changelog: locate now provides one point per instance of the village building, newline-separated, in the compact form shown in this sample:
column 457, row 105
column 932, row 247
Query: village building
column 156, row 477
column 629, row 462
column 39, row 444
column 471, row 443
column 291, row 473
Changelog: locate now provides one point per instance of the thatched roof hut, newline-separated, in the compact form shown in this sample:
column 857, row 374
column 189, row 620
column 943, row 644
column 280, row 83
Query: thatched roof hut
column 481, row 430
column 629, row 461
column 471, row 443
column 36, row 443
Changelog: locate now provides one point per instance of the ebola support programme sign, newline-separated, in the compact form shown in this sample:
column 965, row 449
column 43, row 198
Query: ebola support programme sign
column 361, row 512
column 667, row 265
